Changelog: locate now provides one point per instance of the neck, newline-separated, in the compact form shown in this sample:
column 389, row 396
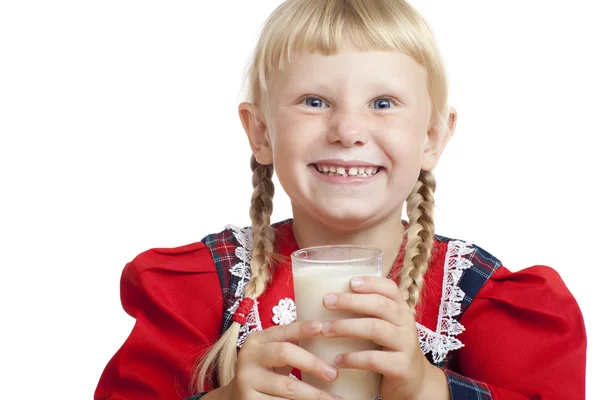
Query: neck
column 385, row 235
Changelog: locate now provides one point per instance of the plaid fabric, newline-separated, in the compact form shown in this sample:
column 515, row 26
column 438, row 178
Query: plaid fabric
column 484, row 265
column 463, row 388
column 222, row 248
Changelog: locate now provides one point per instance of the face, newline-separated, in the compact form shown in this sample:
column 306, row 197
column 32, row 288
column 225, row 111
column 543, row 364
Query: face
column 347, row 112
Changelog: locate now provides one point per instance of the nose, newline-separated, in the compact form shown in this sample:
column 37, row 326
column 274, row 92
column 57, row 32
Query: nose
column 347, row 128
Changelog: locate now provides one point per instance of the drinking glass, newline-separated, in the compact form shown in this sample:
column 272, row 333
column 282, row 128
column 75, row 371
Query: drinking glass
column 328, row 269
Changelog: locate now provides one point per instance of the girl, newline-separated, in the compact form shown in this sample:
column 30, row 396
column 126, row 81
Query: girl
column 348, row 105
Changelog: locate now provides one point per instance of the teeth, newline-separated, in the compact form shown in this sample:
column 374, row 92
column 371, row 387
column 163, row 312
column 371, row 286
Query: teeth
column 352, row 171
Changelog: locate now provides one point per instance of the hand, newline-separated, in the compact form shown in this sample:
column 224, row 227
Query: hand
column 265, row 361
column 406, row 373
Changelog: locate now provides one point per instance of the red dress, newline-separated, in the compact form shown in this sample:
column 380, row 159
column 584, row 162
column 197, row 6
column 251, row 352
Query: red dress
column 524, row 336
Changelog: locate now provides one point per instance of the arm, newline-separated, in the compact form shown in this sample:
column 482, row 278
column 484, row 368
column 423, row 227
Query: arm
column 175, row 297
column 524, row 339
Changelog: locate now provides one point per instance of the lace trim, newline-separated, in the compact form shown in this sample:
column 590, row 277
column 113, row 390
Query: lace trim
column 243, row 272
column 443, row 340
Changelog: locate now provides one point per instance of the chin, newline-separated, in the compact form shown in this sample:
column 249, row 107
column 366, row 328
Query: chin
column 347, row 219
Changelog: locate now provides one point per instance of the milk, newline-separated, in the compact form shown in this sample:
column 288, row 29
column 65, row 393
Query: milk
column 311, row 284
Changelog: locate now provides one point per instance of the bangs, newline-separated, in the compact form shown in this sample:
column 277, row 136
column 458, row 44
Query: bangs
column 326, row 26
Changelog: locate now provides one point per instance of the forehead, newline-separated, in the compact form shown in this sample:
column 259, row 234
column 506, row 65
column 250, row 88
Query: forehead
column 372, row 68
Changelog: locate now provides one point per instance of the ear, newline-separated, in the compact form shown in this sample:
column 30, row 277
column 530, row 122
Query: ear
column 437, row 138
column 258, row 134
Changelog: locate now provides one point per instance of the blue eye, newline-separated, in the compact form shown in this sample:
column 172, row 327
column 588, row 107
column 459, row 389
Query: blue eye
column 316, row 102
column 313, row 102
column 385, row 103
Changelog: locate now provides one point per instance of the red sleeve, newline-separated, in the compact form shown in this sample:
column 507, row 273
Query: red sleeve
column 175, row 297
column 525, row 337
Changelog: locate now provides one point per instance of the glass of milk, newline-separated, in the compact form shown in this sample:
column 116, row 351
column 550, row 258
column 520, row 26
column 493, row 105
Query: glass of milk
column 329, row 269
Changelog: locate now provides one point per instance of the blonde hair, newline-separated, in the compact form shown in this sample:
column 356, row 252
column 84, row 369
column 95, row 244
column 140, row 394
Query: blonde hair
column 326, row 26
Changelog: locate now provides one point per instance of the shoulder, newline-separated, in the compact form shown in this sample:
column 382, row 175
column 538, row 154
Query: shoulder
column 169, row 278
column 539, row 284
column 469, row 250
column 468, row 265
column 488, row 271
column 189, row 258
column 204, row 263
column 183, row 271
column 486, row 278
column 195, row 258
column 188, row 282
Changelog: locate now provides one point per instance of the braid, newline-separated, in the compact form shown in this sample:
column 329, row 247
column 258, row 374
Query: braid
column 222, row 357
column 419, row 241
column 263, row 241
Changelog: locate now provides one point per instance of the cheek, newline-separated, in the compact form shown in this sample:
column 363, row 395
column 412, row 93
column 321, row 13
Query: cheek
column 404, row 148
column 287, row 146
column 294, row 138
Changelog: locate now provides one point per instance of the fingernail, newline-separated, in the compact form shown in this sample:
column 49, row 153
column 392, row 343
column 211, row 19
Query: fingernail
column 338, row 359
column 356, row 282
column 330, row 372
column 326, row 327
column 330, row 300
column 315, row 324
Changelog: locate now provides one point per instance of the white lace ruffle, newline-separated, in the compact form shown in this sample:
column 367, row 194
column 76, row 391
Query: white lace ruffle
column 443, row 340
column 242, row 271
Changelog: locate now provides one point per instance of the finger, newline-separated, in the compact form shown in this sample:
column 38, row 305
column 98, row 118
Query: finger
column 375, row 284
column 280, row 354
column 287, row 333
column 382, row 362
column 377, row 330
column 374, row 305
column 290, row 388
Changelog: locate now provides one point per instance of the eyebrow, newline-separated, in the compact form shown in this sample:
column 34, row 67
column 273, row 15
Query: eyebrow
column 377, row 86
column 382, row 87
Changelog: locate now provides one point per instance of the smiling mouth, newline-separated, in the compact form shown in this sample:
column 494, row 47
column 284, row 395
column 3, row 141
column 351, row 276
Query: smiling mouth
column 361, row 172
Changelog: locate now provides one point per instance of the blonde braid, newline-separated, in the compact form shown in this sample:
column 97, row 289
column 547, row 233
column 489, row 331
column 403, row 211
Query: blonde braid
column 263, row 241
column 419, row 238
column 223, row 355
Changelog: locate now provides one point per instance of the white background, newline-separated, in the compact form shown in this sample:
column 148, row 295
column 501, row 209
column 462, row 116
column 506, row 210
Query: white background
column 119, row 132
